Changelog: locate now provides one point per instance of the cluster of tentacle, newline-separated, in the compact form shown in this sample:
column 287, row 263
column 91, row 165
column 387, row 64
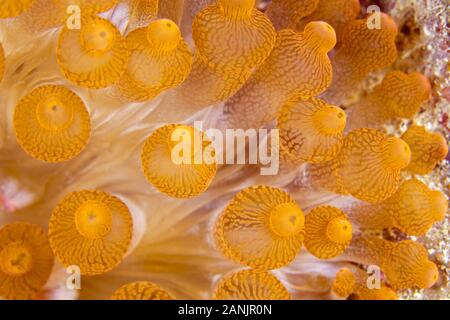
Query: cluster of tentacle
column 297, row 67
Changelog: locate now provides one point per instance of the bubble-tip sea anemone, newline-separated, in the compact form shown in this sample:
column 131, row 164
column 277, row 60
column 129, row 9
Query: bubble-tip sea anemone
column 266, row 217
column 141, row 290
column 26, row 260
column 52, row 123
column 90, row 229
column 250, row 285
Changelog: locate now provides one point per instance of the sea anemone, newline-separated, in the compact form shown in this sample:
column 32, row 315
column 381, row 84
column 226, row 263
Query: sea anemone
column 269, row 218
column 52, row 124
column 141, row 291
column 90, row 229
column 310, row 131
column 188, row 178
column 328, row 232
column 250, row 285
column 95, row 56
column 26, row 260
column 160, row 59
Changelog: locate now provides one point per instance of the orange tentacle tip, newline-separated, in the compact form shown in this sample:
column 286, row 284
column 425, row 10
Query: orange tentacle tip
column 369, row 164
column 250, row 285
column 262, row 227
column 160, row 60
column 310, row 131
column 400, row 95
column 26, row 260
column 232, row 36
column 94, row 56
column 141, row 290
column 414, row 208
column 427, row 149
column 328, row 232
column 90, row 229
column 179, row 161
column 344, row 283
column 406, row 265
column 52, row 124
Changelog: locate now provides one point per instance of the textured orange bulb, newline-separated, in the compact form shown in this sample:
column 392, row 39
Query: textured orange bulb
column 297, row 69
column 231, row 39
column 400, row 95
column 396, row 153
column 310, row 131
column 369, row 164
column 344, row 283
column 250, row 285
column 52, row 124
column 405, row 263
column 160, row 60
column 186, row 178
column 90, row 229
column 141, row 290
column 26, row 260
column 427, row 149
column 328, row 232
column 262, row 227
column 413, row 209
column 94, row 56
column 252, row 40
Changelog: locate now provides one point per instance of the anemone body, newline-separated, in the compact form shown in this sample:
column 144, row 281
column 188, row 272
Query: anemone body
column 262, row 227
column 368, row 166
column 94, row 56
column 231, row 39
column 186, row 178
column 52, row 124
column 26, row 260
column 310, row 131
column 427, row 149
column 405, row 263
column 297, row 68
column 344, row 283
column 141, row 290
column 250, row 285
column 90, row 229
column 400, row 95
column 160, row 59
column 328, row 232
column 362, row 51
column 413, row 209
